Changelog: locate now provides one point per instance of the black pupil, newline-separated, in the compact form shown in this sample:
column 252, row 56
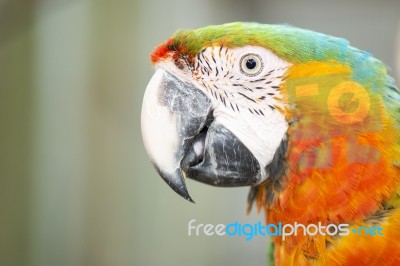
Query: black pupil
column 251, row 63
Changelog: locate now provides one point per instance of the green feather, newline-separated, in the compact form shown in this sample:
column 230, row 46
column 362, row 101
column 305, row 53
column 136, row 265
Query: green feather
column 296, row 45
column 290, row 43
column 271, row 260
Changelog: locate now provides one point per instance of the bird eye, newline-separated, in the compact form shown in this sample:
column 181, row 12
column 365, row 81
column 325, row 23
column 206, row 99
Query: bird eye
column 251, row 65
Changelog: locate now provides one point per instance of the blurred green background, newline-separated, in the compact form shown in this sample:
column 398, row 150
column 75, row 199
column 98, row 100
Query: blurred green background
column 76, row 187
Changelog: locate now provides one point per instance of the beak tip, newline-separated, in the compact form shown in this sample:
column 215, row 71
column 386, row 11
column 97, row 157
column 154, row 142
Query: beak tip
column 182, row 191
column 177, row 183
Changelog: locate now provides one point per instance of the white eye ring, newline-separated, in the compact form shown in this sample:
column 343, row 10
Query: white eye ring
column 251, row 65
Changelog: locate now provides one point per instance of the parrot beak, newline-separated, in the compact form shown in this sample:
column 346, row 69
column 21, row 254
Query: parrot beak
column 183, row 139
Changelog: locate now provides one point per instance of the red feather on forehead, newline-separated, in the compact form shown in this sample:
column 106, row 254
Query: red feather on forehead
column 162, row 51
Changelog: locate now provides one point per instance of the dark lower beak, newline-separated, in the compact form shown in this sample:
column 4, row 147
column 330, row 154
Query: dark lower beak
column 183, row 139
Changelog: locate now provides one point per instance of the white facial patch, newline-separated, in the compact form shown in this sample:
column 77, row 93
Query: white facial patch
column 246, row 102
column 258, row 123
column 262, row 135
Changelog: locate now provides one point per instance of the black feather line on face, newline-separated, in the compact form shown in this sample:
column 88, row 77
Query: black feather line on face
column 205, row 86
column 222, row 99
column 257, row 80
column 216, row 73
column 232, row 107
column 247, row 97
column 209, row 67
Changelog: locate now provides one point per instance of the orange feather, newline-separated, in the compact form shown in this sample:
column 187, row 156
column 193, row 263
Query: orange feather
column 341, row 170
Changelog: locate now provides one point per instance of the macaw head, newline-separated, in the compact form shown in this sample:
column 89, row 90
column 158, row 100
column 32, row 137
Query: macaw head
column 218, row 109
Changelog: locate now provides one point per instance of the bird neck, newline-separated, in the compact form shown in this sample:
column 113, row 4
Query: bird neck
column 343, row 193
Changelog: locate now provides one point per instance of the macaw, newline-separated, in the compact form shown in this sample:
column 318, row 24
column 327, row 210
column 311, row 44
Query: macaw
column 309, row 122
